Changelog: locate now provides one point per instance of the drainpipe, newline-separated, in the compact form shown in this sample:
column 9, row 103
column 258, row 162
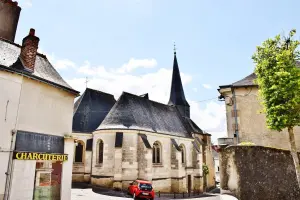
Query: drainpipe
column 235, row 115
column 8, row 170
column 92, row 158
column 11, row 150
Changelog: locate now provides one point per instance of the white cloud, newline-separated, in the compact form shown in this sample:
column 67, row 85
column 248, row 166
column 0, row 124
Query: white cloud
column 207, row 86
column 59, row 64
column 25, row 3
column 63, row 64
column 211, row 118
column 137, row 63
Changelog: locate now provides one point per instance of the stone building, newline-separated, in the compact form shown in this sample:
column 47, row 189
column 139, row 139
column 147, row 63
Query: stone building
column 36, row 107
column 245, row 121
column 137, row 138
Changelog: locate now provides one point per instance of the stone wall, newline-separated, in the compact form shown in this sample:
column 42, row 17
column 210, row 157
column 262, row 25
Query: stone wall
column 82, row 171
column 134, row 161
column 258, row 173
column 103, row 174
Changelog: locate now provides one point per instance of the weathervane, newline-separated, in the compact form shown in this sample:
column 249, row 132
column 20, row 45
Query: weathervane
column 174, row 48
column 86, row 81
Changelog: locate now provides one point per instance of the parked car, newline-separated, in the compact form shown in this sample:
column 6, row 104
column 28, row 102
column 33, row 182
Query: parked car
column 140, row 189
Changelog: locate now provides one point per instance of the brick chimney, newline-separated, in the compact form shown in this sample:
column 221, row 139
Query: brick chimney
column 9, row 18
column 29, row 49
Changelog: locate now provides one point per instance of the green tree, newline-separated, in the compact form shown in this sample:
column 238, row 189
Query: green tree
column 278, row 78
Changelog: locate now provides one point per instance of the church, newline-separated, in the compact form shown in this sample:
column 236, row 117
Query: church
column 119, row 141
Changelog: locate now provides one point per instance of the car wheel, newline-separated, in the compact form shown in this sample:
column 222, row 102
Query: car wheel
column 134, row 196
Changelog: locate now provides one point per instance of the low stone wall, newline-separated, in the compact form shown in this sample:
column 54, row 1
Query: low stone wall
column 258, row 173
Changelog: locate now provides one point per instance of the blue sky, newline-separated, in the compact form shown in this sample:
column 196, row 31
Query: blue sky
column 214, row 39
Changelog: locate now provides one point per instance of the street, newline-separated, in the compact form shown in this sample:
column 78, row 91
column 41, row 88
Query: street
column 88, row 194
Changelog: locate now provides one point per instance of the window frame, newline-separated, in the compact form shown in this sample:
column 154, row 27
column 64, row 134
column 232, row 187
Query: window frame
column 157, row 153
column 183, row 154
column 98, row 152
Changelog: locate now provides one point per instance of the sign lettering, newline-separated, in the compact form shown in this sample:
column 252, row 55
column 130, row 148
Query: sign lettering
column 39, row 156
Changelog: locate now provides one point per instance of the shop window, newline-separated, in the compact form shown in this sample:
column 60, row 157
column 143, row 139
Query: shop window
column 156, row 153
column 100, row 151
column 79, row 152
column 47, row 184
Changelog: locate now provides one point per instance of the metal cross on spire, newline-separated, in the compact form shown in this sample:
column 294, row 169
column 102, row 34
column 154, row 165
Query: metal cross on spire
column 174, row 48
column 86, row 81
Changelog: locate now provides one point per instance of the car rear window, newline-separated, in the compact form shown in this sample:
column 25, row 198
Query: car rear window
column 145, row 186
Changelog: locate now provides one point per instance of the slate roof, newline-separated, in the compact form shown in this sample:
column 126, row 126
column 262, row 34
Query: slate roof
column 248, row 80
column 139, row 113
column 44, row 71
column 191, row 126
column 90, row 110
column 177, row 96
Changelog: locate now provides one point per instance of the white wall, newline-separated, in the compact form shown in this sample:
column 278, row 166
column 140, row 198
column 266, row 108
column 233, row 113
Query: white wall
column 42, row 109
column 45, row 109
column 66, row 180
column 10, row 86
column 23, row 180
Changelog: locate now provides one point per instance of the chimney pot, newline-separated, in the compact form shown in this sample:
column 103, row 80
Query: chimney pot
column 32, row 32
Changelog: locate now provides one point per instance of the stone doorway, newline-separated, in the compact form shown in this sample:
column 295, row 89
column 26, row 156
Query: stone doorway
column 189, row 183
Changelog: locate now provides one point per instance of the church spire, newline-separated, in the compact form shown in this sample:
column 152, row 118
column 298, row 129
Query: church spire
column 177, row 97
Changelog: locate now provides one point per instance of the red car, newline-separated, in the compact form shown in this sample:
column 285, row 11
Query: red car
column 141, row 189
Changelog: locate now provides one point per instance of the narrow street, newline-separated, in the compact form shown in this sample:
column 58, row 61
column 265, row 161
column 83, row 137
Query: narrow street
column 88, row 194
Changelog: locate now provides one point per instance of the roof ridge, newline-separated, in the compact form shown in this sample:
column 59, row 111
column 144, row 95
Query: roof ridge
column 98, row 91
column 10, row 42
column 147, row 99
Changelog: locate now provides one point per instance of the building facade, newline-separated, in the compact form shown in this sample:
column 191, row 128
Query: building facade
column 245, row 120
column 36, row 107
column 136, row 138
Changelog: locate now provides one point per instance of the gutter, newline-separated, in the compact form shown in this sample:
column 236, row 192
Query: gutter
column 31, row 76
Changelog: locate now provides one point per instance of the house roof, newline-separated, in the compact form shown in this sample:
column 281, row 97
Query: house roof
column 245, row 82
column 90, row 110
column 139, row 113
column 43, row 71
column 248, row 80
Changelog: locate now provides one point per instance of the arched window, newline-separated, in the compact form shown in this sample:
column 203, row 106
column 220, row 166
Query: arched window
column 156, row 154
column 183, row 154
column 100, row 151
column 79, row 152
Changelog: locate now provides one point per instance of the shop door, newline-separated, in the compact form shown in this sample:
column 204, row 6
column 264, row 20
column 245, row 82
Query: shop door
column 47, row 180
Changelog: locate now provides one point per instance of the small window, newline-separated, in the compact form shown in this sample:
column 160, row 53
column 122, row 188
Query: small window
column 79, row 152
column 156, row 153
column 100, row 151
column 183, row 154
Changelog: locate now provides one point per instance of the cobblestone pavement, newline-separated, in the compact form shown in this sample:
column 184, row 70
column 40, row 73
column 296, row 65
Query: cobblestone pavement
column 88, row 194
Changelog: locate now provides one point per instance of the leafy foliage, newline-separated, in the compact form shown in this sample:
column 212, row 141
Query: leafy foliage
column 205, row 169
column 278, row 77
column 246, row 144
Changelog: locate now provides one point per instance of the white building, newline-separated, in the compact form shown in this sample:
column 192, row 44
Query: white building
column 36, row 108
